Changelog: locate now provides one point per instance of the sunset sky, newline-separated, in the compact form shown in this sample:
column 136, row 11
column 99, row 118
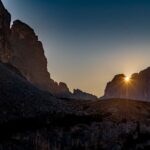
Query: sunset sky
column 87, row 42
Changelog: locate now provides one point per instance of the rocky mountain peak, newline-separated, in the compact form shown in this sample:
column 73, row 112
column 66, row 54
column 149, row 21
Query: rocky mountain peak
column 138, row 88
column 20, row 46
column 118, row 77
column 28, row 54
column 63, row 86
column 23, row 31
column 26, row 46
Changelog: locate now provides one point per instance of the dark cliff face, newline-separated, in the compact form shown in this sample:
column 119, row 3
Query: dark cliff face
column 5, row 19
column 137, row 88
column 20, row 47
column 28, row 56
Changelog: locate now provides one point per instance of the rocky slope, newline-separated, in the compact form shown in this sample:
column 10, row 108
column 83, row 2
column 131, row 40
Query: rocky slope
column 137, row 88
column 34, row 119
column 78, row 94
column 20, row 99
column 116, row 124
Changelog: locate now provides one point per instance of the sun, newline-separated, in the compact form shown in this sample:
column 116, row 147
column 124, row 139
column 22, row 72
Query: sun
column 127, row 79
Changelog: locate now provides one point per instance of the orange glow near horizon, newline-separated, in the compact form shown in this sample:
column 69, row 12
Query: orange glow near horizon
column 127, row 79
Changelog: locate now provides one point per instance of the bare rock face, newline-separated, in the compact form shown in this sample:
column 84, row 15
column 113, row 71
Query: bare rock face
column 20, row 47
column 5, row 19
column 137, row 88
column 29, row 58
column 78, row 94
column 60, row 90
column 28, row 55
column 112, row 91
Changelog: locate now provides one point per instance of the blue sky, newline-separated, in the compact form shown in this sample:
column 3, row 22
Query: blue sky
column 87, row 42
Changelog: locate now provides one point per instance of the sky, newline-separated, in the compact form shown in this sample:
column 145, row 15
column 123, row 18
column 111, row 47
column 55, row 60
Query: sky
column 87, row 42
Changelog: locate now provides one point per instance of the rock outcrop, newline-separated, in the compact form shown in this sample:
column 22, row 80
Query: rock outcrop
column 5, row 19
column 28, row 56
column 19, row 46
column 78, row 94
column 137, row 88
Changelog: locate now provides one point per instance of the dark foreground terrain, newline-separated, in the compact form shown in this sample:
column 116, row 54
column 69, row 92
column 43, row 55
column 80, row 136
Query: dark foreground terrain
column 86, row 131
column 31, row 119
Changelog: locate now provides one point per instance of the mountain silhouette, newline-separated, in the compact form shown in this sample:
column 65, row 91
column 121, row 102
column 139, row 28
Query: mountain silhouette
column 138, row 88
column 20, row 47
column 37, row 113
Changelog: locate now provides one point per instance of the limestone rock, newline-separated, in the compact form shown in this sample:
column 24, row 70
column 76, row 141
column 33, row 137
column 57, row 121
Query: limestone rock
column 28, row 55
column 138, row 88
column 20, row 47
column 29, row 58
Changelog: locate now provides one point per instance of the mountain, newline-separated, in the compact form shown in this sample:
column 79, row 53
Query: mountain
column 28, row 56
column 33, row 118
column 137, row 88
column 78, row 94
column 20, row 46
